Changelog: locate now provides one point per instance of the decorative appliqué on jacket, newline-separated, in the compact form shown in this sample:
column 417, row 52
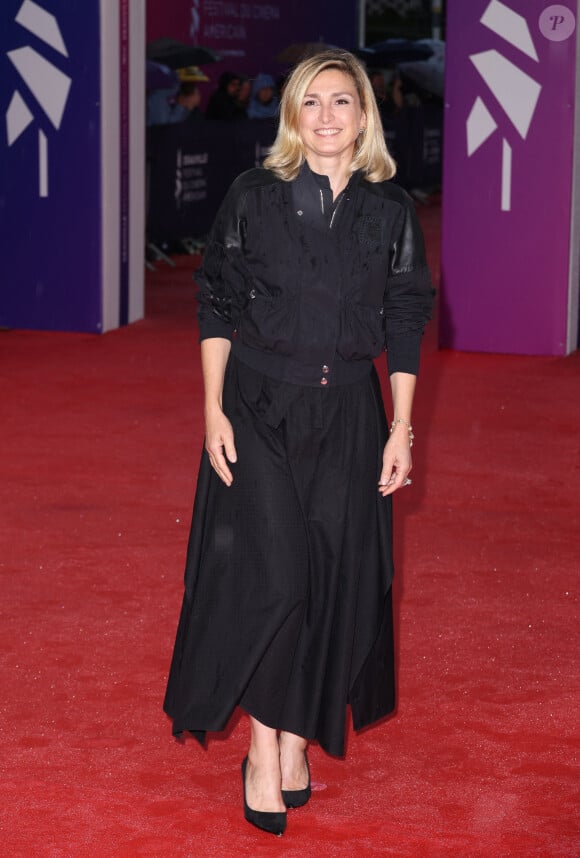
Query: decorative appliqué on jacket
column 371, row 231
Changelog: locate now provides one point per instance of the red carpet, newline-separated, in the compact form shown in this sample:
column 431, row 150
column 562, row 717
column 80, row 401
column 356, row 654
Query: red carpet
column 100, row 444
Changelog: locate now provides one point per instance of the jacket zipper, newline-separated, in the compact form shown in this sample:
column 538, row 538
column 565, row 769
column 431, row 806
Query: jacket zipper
column 340, row 199
column 335, row 210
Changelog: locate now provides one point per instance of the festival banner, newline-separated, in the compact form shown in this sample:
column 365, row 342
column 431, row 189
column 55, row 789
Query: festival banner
column 249, row 35
column 510, row 189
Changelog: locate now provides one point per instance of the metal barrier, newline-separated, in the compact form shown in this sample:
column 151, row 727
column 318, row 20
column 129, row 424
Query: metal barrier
column 192, row 164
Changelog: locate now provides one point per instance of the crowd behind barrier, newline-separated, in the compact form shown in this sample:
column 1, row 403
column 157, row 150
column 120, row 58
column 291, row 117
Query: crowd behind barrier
column 192, row 164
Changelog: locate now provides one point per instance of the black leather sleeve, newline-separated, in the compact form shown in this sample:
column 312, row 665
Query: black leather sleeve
column 222, row 275
column 223, row 278
column 409, row 294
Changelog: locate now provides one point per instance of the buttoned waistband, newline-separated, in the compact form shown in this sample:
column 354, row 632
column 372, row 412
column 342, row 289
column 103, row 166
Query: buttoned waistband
column 289, row 369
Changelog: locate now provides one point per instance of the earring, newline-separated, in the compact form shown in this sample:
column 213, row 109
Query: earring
column 361, row 131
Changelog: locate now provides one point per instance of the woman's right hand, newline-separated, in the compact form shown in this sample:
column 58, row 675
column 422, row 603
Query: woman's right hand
column 219, row 443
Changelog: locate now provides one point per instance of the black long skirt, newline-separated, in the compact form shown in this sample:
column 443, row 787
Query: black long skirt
column 287, row 608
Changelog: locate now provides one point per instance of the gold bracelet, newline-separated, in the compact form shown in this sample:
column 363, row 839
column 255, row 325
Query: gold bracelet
column 405, row 423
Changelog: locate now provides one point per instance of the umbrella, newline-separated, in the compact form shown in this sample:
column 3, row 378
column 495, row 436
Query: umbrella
column 159, row 76
column 427, row 77
column 429, row 74
column 394, row 51
column 302, row 50
column 177, row 55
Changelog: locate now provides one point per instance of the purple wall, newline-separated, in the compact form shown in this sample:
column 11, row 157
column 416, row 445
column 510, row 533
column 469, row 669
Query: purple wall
column 507, row 175
column 50, row 228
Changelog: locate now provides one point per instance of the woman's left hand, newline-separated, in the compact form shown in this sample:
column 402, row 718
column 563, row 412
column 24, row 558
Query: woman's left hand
column 397, row 462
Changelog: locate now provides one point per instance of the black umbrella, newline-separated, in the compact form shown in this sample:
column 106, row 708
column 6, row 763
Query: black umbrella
column 394, row 51
column 177, row 55
column 428, row 75
column 159, row 76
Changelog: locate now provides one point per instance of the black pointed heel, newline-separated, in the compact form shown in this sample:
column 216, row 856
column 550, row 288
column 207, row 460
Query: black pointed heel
column 273, row 823
column 297, row 797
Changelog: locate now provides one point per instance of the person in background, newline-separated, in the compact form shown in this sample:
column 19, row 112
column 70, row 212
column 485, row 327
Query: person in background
column 377, row 80
column 190, row 78
column 223, row 102
column 264, row 101
column 244, row 93
column 189, row 99
column 389, row 96
column 314, row 266
column 394, row 101
column 166, row 107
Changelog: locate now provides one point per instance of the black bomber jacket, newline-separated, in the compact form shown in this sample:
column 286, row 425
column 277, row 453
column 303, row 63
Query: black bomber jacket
column 310, row 299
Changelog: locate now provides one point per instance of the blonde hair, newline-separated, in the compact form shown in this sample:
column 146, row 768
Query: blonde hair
column 370, row 154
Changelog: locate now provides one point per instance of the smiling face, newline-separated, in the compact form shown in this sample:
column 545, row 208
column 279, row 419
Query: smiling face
column 331, row 117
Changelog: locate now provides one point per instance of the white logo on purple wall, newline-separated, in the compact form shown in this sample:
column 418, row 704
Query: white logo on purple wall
column 47, row 83
column 195, row 21
column 514, row 89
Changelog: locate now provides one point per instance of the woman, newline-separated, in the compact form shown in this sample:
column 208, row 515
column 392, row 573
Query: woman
column 316, row 262
column 223, row 101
